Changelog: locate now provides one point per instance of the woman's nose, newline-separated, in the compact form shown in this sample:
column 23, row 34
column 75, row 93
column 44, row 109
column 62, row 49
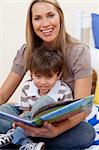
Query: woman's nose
column 45, row 22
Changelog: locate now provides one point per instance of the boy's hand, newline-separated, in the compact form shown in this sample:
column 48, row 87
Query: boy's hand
column 14, row 125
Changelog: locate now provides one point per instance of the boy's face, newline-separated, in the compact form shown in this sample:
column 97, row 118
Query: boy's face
column 43, row 83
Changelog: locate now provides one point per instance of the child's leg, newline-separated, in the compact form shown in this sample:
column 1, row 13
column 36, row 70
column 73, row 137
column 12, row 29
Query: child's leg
column 5, row 124
column 19, row 137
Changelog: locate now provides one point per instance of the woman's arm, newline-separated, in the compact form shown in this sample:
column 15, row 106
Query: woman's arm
column 82, row 87
column 51, row 131
column 9, row 86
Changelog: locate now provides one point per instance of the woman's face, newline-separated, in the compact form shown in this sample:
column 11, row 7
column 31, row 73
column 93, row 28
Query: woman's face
column 46, row 21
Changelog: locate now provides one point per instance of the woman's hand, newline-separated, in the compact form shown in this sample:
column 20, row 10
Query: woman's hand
column 47, row 131
column 50, row 131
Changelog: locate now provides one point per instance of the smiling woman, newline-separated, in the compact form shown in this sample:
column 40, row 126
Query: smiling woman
column 45, row 27
column 46, row 22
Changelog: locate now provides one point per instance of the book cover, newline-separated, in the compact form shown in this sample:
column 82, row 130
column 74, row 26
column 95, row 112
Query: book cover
column 55, row 112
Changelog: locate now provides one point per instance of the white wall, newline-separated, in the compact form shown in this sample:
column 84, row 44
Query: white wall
column 12, row 28
column 72, row 6
column 12, row 34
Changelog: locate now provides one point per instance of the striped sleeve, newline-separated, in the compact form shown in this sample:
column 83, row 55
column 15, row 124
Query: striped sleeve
column 65, row 92
column 24, row 103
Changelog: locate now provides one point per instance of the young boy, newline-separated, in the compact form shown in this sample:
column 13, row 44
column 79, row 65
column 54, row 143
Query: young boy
column 45, row 87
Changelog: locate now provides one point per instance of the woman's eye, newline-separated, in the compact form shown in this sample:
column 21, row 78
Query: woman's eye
column 37, row 18
column 51, row 15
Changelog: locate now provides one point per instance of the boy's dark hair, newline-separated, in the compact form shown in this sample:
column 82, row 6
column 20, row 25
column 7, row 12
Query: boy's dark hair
column 46, row 61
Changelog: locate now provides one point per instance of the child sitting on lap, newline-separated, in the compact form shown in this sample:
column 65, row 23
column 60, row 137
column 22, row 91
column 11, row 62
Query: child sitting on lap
column 45, row 87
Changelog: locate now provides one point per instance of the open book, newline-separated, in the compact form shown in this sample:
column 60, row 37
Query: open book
column 55, row 112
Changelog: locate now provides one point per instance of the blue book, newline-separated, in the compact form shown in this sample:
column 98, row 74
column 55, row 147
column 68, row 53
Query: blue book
column 55, row 112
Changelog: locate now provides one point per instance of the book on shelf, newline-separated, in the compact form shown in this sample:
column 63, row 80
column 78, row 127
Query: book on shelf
column 54, row 112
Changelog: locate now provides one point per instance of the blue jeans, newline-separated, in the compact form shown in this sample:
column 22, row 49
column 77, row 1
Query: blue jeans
column 18, row 134
column 77, row 138
column 5, row 125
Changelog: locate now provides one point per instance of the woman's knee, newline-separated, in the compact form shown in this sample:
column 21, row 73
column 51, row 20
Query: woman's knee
column 90, row 135
column 85, row 134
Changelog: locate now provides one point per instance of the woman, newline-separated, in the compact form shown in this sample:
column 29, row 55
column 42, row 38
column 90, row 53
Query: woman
column 45, row 25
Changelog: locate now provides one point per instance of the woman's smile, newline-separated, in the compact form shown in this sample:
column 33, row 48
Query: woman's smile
column 47, row 32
